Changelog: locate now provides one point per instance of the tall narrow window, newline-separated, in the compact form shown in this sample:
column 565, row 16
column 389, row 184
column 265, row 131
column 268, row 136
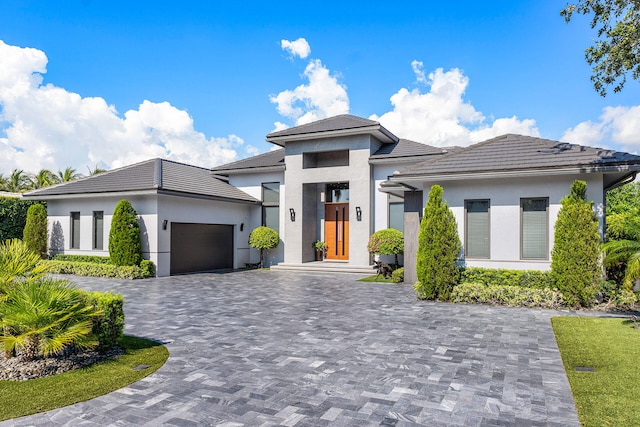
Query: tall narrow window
column 477, row 228
column 271, row 205
column 396, row 212
column 98, row 229
column 534, row 229
column 75, row 230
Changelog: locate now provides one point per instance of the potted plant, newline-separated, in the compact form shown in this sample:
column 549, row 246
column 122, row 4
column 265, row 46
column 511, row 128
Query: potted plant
column 321, row 249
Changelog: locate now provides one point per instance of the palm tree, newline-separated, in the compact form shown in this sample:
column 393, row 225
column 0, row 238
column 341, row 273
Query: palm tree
column 69, row 174
column 18, row 263
column 44, row 178
column 3, row 183
column 95, row 171
column 625, row 251
column 18, row 181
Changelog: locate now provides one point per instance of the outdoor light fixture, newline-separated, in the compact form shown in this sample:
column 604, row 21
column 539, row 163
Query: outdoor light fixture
column 292, row 213
column 241, row 226
column 358, row 213
column 164, row 224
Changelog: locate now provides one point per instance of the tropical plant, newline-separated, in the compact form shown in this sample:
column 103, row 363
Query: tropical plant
column 95, row 170
column 125, row 247
column 69, row 174
column 42, row 317
column 438, row 249
column 387, row 242
column 3, row 183
column 35, row 230
column 264, row 238
column 44, row 178
column 18, row 263
column 18, row 182
column 625, row 252
column 575, row 258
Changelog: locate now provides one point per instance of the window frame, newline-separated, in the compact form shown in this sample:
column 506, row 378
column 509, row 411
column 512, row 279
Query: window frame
column 98, row 215
column 466, row 229
column 74, row 232
column 398, row 201
column 267, row 205
column 522, row 201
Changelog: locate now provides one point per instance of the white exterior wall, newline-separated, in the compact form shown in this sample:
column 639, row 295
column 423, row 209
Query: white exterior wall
column 504, row 217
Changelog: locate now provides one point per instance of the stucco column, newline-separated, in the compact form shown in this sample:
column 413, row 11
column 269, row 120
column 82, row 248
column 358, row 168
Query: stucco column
column 412, row 217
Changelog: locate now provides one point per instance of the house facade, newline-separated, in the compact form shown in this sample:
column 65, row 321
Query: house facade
column 338, row 180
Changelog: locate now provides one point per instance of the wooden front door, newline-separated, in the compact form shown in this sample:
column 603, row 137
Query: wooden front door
column 336, row 230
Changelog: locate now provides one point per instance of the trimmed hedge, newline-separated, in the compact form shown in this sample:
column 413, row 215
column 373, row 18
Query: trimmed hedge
column 512, row 296
column 398, row 275
column 35, row 230
column 109, row 326
column 82, row 258
column 98, row 270
column 13, row 217
column 503, row 277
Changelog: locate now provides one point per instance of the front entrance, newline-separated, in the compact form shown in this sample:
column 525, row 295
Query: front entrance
column 336, row 230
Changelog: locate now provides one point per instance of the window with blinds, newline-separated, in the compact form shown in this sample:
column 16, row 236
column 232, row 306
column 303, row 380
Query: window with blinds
column 476, row 228
column 75, row 230
column 98, row 229
column 534, row 228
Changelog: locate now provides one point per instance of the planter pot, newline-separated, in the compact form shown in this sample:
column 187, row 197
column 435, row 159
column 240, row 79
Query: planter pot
column 319, row 256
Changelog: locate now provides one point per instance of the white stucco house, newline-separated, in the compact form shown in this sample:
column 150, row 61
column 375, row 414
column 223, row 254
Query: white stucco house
column 338, row 180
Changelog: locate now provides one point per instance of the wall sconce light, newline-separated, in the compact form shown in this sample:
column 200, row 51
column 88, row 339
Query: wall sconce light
column 292, row 214
column 358, row 213
column 241, row 226
column 164, row 224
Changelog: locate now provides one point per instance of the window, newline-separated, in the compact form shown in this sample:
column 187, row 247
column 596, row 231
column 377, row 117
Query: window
column 271, row 205
column 534, row 231
column 75, row 230
column 477, row 228
column 98, row 229
column 325, row 159
column 396, row 212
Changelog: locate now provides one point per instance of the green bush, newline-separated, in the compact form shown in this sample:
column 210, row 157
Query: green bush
column 125, row 247
column 109, row 325
column 398, row 275
column 438, row 249
column 513, row 296
column 387, row 242
column 13, row 217
column 35, row 230
column 148, row 268
column 264, row 238
column 96, row 270
column 82, row 258
column 575, row 258
column 18, row 263
column 503, row 277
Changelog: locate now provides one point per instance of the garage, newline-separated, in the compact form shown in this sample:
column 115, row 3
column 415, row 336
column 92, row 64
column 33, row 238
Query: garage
column 200, row 247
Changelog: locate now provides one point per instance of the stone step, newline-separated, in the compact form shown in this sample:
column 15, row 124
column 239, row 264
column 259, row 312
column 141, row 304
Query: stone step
column 325, row 266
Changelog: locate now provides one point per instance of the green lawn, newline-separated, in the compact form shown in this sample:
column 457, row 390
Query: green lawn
column 373, row 279
column 21, row 398
column 609, row 396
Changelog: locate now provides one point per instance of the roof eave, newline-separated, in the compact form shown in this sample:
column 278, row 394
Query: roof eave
column 259, row 169
column 86, row 195
column 376, row 130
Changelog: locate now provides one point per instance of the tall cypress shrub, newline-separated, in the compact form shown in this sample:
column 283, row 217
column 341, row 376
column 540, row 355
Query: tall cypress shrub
column 125, row 247
column 438, row 249
column 575, row 258
column 35, row 230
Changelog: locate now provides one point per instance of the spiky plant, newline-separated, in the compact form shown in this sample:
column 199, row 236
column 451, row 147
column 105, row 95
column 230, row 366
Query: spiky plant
column 18, row 263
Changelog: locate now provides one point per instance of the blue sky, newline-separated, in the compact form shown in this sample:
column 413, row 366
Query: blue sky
column 112, row 83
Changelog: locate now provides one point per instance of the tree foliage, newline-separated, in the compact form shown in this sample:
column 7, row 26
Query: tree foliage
column 387, row 242
column 438, row 249
column 18, row 263
column 13, row 217
column 125, row 247
column 616, row 51
column 575, row 258
column 264, row 238
column 35, row 230
column 625, row 253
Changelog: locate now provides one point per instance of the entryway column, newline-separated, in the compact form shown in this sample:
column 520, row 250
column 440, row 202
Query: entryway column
column 412, row 218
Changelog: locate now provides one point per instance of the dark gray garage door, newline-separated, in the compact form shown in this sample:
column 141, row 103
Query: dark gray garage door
column 200, row 247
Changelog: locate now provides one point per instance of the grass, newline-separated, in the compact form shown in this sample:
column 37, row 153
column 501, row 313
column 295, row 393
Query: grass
column 20, row 398
column 373, row 279
column 609, row 395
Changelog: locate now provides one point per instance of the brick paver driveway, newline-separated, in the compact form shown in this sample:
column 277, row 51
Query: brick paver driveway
column 288, row 348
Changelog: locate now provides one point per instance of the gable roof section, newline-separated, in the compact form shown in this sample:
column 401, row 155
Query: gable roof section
column 273, row 160
column 518, row 153
column 404, row 148
column 155, row 176
column 344, row 124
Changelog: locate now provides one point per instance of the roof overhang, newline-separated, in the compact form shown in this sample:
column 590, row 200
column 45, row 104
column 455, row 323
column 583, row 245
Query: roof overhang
column 377, row 130
column 259, row 169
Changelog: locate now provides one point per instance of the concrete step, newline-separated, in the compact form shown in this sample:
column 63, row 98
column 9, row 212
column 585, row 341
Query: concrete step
column 325, row 266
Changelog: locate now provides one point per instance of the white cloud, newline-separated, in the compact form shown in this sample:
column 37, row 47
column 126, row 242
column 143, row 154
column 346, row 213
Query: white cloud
column 616, row 125
column 322, row 97
column 45, row 126
column 299, row 48
column 441, row 116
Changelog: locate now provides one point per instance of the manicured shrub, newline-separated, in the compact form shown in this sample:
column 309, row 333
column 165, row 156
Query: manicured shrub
column 264, row 238
column 13, row 217
column 82, row 258
column 575, row 258
column 513, row 296
column 438, row 249
column 148, row 268
column 125, row 247
column 35, row 230
column 109, row 325
column 97, row 270
column 503, row 277
column 387, row 242
column 398, row 275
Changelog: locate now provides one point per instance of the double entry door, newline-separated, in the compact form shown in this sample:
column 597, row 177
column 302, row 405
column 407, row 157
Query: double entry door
column 336, row 230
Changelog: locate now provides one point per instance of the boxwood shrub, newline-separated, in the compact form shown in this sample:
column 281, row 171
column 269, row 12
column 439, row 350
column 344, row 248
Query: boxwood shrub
column 82, row 258
column 503, row 277
column 513, row 296
column 108, row 327
column 398, row 275
column 100, row 270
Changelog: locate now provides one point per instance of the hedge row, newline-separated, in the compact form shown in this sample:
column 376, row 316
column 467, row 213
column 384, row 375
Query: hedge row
column 13, row 217
column 109, row 326
column 146, row 269
column 513, row 296
column 82, row 258
column 502, row 277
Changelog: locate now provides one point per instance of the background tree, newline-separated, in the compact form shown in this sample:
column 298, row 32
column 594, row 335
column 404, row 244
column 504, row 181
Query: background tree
column 125, row 247
column 18, row 181
column 575, row 258
column 44, row 178
column 438, row 249
column 264, row 238
column 35, row 230
column 387, row 242
column 96, row 170
column 616, row 52
column 69, row 174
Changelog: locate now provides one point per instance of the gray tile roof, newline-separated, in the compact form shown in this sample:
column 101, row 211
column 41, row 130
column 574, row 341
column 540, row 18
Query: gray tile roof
column 517, row 152
column 341, row 122
column 271, row 159
column 151, row 175
column 406, row 148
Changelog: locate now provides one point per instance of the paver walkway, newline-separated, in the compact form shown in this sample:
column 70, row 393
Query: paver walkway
column 298, row 349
